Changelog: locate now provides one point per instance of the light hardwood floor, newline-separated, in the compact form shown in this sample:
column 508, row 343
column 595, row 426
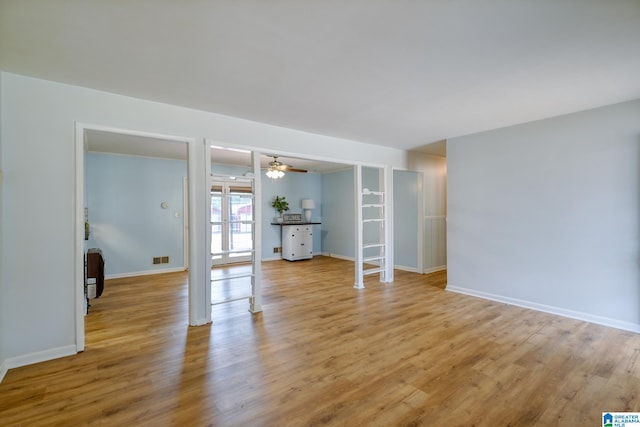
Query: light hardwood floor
column 323, row 353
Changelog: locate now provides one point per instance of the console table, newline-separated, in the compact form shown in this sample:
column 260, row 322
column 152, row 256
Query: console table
column 297, row 240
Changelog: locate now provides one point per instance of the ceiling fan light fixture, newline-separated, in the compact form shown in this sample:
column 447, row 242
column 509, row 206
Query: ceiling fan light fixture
column 275, row 169
column 274, row 173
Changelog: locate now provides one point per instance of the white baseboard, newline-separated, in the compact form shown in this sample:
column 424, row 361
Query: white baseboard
column 40, row 356
column 403, row 268
column 434, row 269
column 559, row 311
column 3, row 369
column 144, row 273
column 347, row 258
column 396, row 267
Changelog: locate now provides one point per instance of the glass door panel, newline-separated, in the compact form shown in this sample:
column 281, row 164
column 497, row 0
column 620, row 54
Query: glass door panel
column 231, row 223
column 240, row 226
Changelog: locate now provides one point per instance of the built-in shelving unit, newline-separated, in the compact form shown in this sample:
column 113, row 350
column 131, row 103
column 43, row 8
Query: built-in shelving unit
column 372, row 237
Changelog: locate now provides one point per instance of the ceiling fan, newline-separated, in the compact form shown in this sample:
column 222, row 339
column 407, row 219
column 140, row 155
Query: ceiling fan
column 277, row 169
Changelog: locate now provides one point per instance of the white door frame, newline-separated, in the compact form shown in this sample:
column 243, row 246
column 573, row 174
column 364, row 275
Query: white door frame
column 185, row 222
column 80, row 145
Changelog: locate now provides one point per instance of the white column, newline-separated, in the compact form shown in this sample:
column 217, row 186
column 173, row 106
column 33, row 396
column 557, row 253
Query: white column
column 199, row 277
column 388, row 224
column 255, row 303
column 359, row 282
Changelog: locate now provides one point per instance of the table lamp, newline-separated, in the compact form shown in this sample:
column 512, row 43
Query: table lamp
column 307, row 205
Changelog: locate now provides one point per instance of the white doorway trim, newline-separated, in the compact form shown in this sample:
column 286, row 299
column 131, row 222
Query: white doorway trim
column 79, row 204
column 420, row 213
column 185, row 221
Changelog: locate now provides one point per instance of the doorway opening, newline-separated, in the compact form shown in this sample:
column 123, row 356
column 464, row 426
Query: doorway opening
column 232, row 206
column 128, row 150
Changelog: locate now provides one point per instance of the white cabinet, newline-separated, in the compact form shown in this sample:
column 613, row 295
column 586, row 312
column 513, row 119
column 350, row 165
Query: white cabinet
column 297, row 242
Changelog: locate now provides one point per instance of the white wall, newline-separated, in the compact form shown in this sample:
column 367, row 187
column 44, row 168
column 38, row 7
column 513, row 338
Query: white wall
column 434, row 173
column 38, row 206
column 547, row 214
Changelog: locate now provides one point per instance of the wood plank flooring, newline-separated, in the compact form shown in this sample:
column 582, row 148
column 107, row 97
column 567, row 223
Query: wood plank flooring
column 322, row 353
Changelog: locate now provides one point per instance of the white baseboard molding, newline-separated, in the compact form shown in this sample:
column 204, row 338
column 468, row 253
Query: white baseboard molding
column 434, row 269
column 40, row 356
column 559, row 311
column 347, row 258
column 144, row 273
column 396, row 267
column 403, row 268
column 3, row 369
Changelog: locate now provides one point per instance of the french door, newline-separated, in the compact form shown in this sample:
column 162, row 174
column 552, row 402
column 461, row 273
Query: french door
column 232, row 204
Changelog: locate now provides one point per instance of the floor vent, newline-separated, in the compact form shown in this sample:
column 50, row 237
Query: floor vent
column 161, row 260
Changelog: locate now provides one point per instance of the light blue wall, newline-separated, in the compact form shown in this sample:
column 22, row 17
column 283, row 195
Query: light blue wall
column 123, row 195
column 405, row 218
column 547, row 215
column 338, row 213
column 295, row 187
column 333, row 194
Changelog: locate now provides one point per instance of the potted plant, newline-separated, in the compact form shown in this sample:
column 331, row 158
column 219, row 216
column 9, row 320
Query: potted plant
column 280, row 204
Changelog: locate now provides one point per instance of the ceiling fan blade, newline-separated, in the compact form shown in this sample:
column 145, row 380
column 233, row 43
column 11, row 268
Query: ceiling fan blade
column 275, row 164
column 290, row 169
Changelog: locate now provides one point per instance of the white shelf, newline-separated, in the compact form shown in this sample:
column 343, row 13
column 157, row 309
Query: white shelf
column 373, row 245
column 232, row 277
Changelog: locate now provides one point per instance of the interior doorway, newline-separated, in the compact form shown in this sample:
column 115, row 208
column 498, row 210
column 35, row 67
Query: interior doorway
column 232, row 206
column 126, row 144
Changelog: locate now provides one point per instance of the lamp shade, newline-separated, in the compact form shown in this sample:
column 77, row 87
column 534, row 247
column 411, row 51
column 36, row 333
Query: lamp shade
column 308, row 204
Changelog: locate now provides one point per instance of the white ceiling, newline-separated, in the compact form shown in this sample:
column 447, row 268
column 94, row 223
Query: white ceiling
column 397, row 73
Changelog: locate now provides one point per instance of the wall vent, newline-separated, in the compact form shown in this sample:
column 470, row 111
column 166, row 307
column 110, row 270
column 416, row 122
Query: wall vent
column 160, row 260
